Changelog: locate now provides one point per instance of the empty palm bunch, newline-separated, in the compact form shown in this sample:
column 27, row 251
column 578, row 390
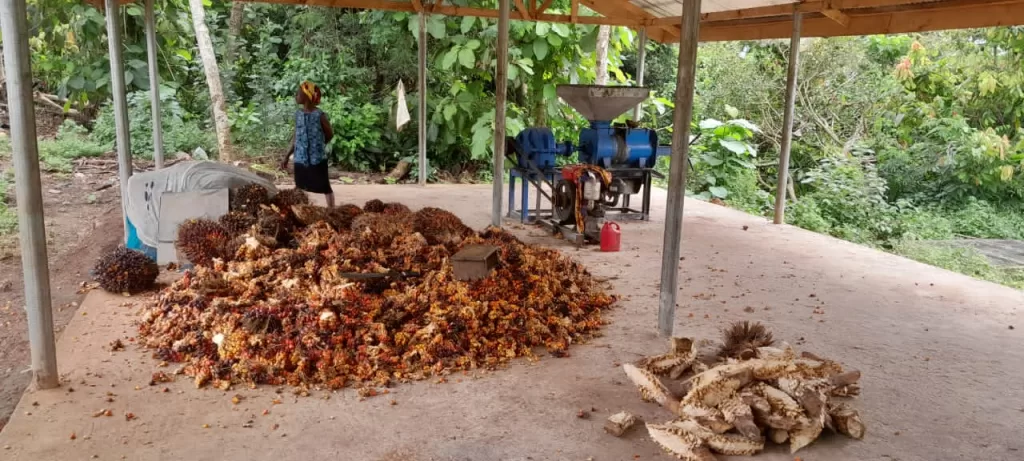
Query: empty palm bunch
column 440, row 227
column 248, row 198
column 202, row 241
column 757, row 393
column 125, row 271
column 270, row 221
column 370, row 306
column 237, row 222
column 742, row 340
column 309, row 214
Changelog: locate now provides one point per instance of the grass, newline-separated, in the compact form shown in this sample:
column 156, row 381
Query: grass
column 8, row 217
column 966, row 261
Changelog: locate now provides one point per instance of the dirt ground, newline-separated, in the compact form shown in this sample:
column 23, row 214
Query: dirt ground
column 937, row 351
column 83, row 217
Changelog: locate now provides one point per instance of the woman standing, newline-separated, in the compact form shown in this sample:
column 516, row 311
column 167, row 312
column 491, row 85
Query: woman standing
column 312, row 133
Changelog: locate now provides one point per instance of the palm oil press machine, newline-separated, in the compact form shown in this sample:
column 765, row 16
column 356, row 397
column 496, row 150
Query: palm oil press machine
column 616, row 161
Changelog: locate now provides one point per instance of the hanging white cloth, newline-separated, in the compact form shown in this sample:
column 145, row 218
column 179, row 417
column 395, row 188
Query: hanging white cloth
column 402, row 116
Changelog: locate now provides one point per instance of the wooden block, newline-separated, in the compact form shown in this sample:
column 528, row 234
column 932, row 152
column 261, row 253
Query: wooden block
column 619, row 423
column 474, row 262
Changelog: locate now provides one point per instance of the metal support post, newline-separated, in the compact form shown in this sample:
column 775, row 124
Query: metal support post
column 154, row 86
column 120, row 100
column 787, row 121
column 640, row 66
column 682, row 117
column 27, row 186
column 423, row 98
column 501, row 88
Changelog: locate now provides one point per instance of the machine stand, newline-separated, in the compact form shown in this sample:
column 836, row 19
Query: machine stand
column 536, row 179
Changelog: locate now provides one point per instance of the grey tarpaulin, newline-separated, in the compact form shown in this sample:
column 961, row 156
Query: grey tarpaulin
column 144, row 190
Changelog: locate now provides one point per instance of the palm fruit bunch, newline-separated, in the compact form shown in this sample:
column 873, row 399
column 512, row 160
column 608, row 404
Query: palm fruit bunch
column 440, row 227
column 248, row 198
column 341, row 217
column 125, row 271
column 395, row 208
column 297, row 315
column 202, row 241
column 286, row 198
column 750, row 392
column 237, row 222
column 309, row 214
column 374, row 206
column 270, row 221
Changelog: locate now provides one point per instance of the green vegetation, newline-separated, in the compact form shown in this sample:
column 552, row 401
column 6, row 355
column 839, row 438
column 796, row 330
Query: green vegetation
column 899, row 139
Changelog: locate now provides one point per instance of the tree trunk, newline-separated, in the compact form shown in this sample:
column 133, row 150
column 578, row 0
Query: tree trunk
column 234, row 30
column 220, row 115
column 601, row 52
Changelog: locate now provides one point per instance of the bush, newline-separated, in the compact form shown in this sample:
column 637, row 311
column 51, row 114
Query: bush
column 182, row 132
column 356, row 128
column 8, row 217
column 72, row 142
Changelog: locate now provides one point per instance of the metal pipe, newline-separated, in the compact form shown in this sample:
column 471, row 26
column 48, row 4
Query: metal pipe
column 423, row 98
column 501, row 88
column 640, row 66
column 787, row 120
column 28, row 190
column 120, row 100
column 682, row 117
column 154, row 87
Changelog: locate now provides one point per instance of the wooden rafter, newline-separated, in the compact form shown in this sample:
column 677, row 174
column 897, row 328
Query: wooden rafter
column 838, row 16
column 523, row 11
column 858, row 17
column 950, row 14
column 544, row 6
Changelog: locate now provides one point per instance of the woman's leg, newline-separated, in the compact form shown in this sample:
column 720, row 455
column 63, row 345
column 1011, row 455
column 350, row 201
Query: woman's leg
column 330, row 199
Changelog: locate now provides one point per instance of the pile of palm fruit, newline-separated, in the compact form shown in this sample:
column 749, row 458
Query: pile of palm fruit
column 352, row 296
column 744, row 393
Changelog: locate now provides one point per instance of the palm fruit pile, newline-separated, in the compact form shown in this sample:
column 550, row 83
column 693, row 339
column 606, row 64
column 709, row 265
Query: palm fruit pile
column 368, row 305
column 125, row 271
column 748, row 393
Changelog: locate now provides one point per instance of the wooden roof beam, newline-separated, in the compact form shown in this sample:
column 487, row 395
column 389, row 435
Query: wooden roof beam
column 945, row 15
column 523, row 11
column 838, row 16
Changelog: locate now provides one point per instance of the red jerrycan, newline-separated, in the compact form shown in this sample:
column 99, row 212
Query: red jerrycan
column 611, row 236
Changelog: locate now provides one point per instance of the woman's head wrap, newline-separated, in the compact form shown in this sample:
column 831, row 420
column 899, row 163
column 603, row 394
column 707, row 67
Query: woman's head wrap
column 311, row 91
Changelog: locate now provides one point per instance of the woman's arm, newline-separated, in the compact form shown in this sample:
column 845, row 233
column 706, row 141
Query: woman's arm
column 288, row 154
column 326, row 125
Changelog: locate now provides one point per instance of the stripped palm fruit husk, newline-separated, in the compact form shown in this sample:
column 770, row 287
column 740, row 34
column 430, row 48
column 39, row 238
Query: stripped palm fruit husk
column 752, row 392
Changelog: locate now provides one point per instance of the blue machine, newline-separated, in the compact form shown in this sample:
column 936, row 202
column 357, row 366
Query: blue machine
column 628, row 153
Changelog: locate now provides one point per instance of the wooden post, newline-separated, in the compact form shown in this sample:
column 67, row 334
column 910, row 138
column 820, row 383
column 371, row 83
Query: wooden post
column 28, row 189
column 787, row 120
column 154, row 87
column 423, row 98
column 640, row 65
column 682, row 117
column 501, row 88
column 120, row 102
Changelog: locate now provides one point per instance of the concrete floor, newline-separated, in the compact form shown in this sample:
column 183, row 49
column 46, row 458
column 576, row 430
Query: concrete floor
column 941, row 364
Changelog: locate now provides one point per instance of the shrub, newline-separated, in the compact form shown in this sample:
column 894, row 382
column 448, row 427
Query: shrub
column 72, row 142
column 182, row 132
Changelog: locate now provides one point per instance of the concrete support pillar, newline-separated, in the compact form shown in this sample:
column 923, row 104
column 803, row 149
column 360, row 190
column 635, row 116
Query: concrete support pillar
column 28, row 190
column 423, row 99
column 501, row 89
column 120, row 101
column 787, row 120
column 154, row 86
column 681, row 119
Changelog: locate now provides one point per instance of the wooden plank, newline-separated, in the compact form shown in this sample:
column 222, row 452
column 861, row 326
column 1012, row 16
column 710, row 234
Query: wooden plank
column 417, row 5
column 917, row 18
column 575, row 10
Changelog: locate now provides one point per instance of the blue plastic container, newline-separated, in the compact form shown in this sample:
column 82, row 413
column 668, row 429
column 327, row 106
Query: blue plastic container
column 133, row 242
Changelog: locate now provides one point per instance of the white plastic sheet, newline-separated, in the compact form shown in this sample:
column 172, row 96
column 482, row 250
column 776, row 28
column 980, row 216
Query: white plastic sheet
column 145, row 190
